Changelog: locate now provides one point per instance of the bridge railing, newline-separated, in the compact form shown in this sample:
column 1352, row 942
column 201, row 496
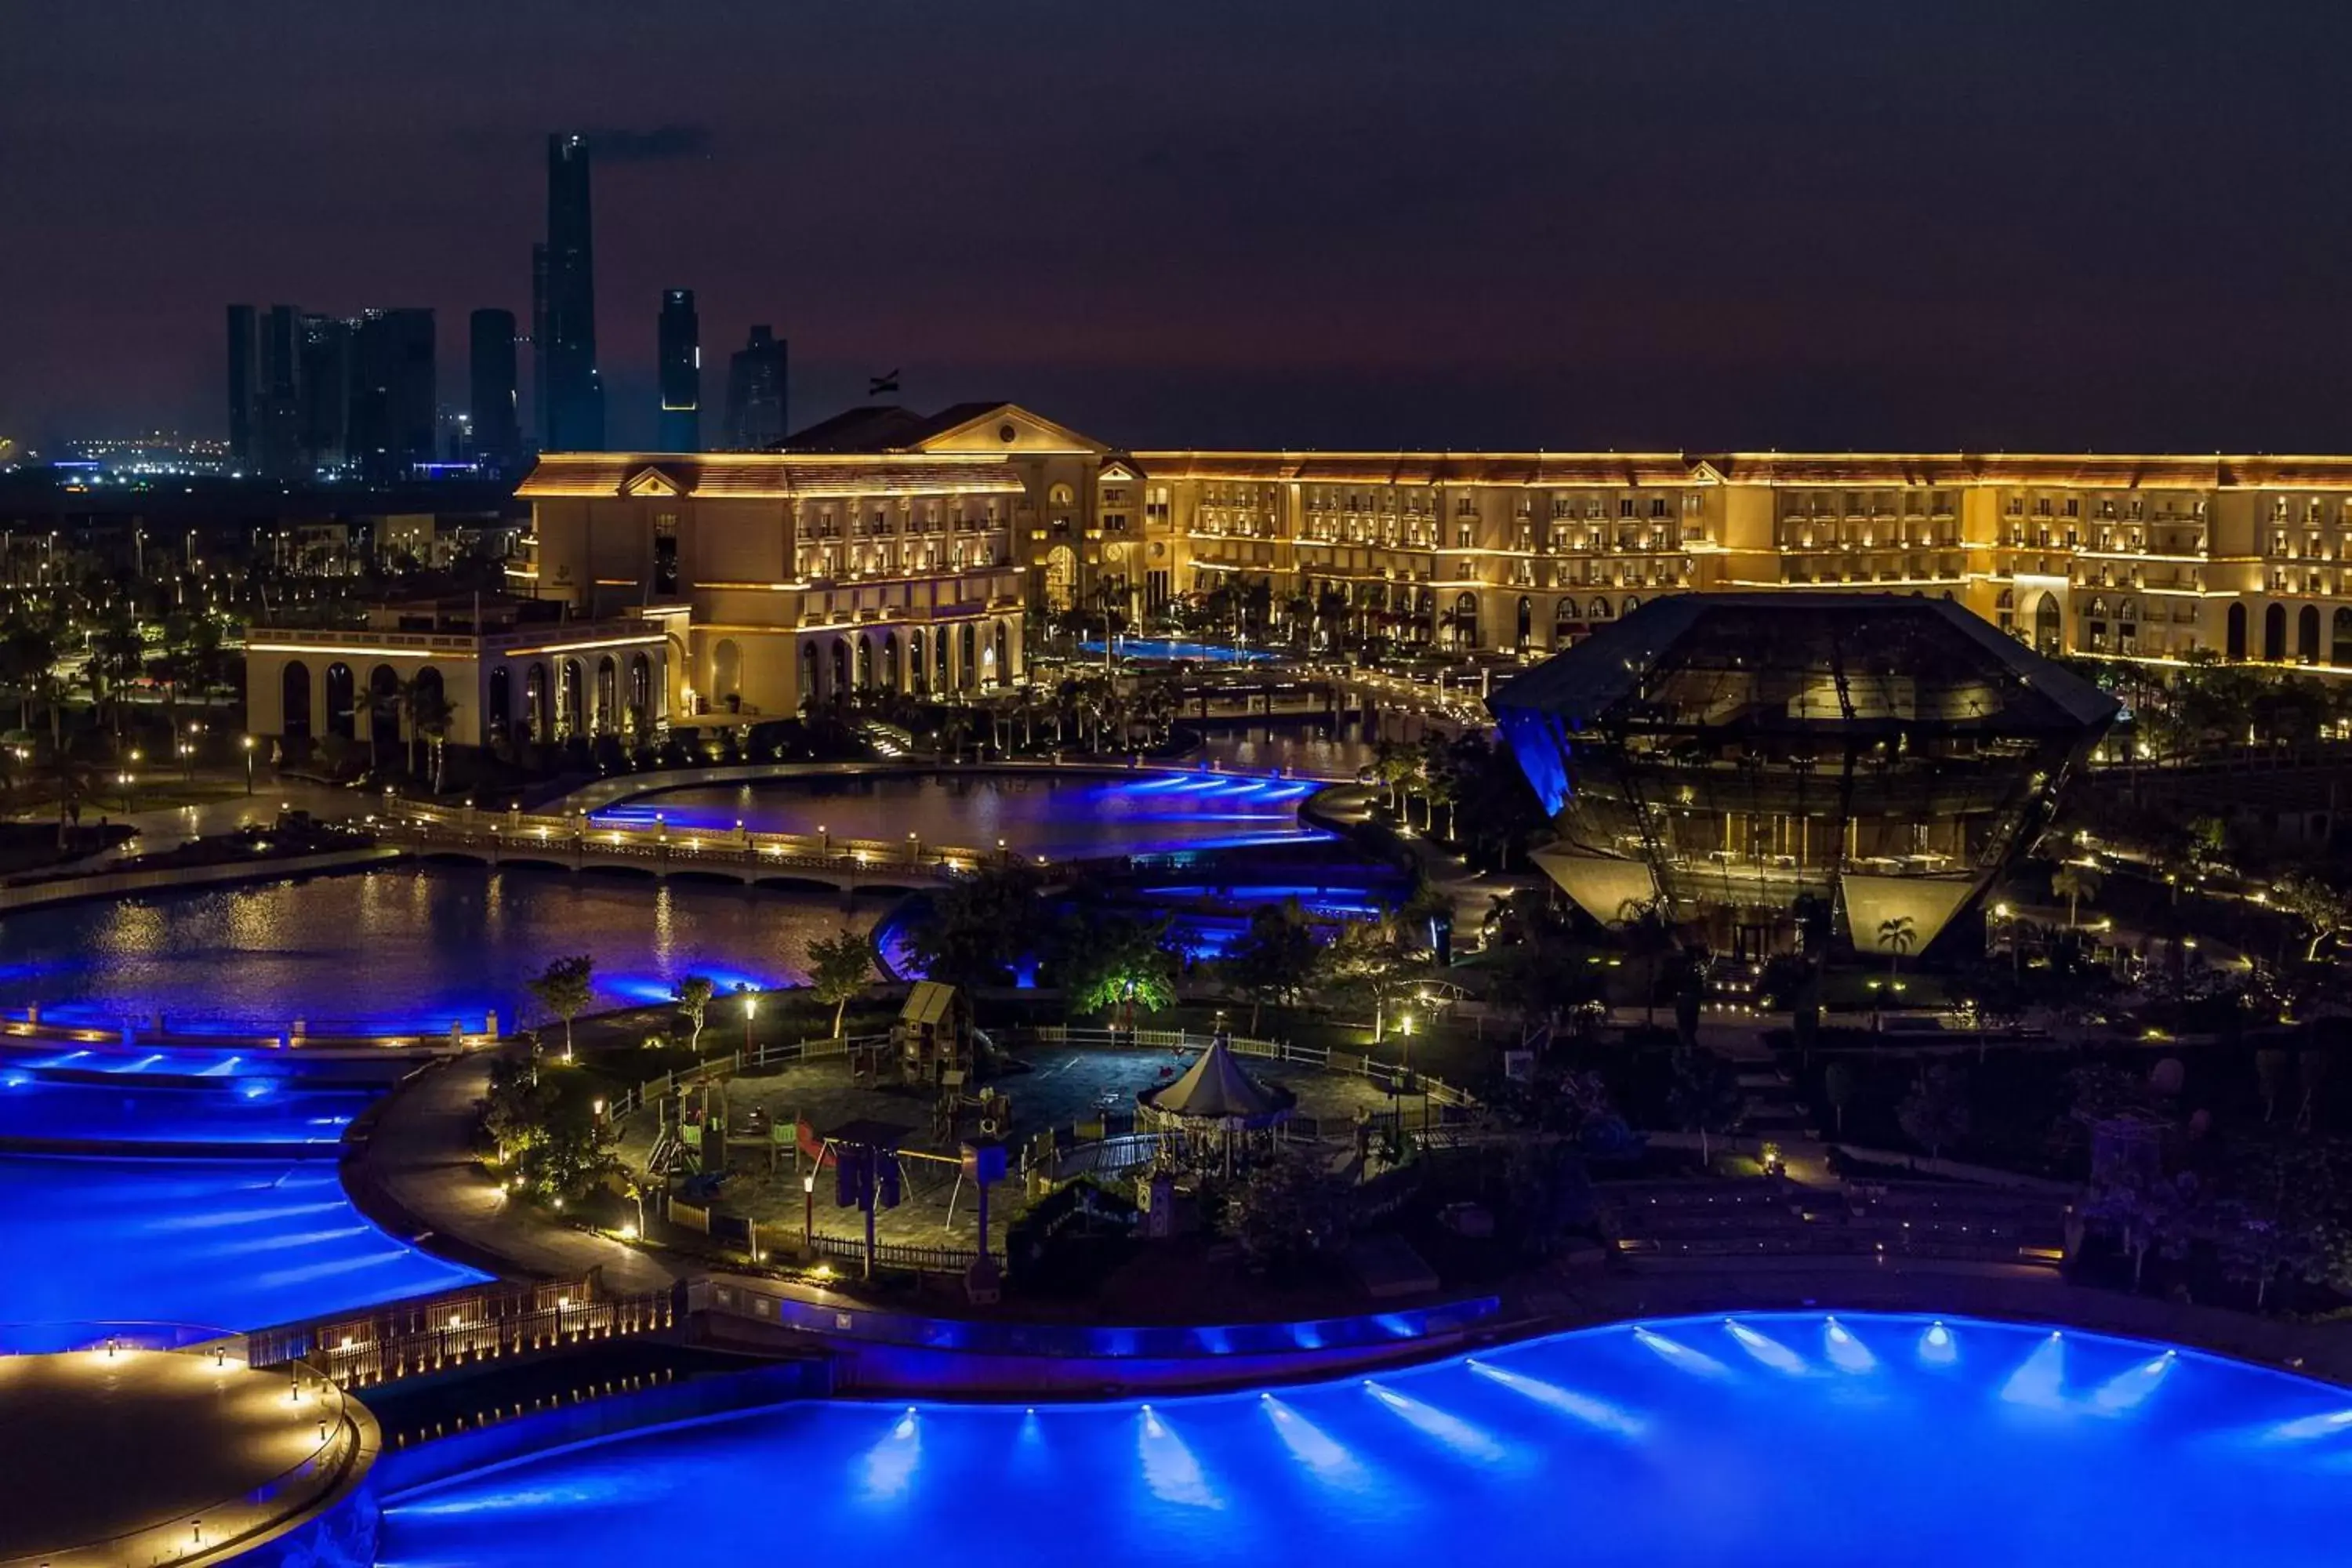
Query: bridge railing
column 518, row 834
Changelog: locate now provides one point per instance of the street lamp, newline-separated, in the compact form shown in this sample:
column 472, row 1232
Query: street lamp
column 247, row 743
column 750, row 1006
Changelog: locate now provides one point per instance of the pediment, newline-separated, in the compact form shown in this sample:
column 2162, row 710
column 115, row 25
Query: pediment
column 652, row 480
column 1009, row 427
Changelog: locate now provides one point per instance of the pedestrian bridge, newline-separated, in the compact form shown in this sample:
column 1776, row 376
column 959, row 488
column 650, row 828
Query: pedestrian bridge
column 577, row 843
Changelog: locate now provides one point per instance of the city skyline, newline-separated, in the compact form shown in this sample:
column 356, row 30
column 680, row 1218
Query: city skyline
column 1407, row 231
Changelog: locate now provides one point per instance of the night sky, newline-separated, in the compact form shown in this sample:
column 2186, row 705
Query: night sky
column 1467, row 222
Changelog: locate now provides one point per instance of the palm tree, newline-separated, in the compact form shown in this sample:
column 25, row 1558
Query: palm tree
column 1895, row 936
column 2077, row 884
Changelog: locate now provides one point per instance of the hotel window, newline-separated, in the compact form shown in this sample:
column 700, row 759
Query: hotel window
column 1657, row 506
column 665, row 553
column 2073, row 507
column 1625, row 507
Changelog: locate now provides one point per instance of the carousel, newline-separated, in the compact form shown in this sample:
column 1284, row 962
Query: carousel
column 1215, row 1109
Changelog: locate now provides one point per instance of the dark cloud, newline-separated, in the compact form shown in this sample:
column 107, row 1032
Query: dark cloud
column 654, row 144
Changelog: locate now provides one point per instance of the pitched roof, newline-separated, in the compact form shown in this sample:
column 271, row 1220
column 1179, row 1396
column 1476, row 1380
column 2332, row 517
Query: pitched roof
column 1216, row 1089
column 771, row 475
column 1606, row 675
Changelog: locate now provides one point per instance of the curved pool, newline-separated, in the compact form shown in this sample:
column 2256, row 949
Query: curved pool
column 413, row 948
column 1768, row 1438
column 1065, row 814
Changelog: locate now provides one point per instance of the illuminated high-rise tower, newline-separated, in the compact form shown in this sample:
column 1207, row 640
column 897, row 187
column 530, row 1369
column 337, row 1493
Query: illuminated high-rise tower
column 571, row 392
column 680, row 346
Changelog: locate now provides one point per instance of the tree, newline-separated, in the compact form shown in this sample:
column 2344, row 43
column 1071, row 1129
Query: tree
column 1115, row 964
column 1274, row 958
column 1896, row 935
column 1648, row 929
column 839, row 967
column 978, row 925
column 2145, row 1211
column 564, row 988
column 1706, row 1097
column 2078, row 885
column 1935, row 1113
column 548, row 1127
column 2320, row 908
column 694, row 993
column 1286, row 1210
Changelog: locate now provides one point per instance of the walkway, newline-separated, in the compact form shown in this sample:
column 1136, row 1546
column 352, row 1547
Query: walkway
column 419, row 1178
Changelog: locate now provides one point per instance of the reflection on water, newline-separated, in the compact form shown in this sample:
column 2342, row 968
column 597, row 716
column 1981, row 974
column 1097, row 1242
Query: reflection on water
column 1062, row 815
column 412, row 948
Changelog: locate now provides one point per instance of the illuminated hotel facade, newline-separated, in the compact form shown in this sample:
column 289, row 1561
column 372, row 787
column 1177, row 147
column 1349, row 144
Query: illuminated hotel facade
column 890, row 549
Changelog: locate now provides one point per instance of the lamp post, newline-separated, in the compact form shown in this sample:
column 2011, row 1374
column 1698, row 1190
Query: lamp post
column 808, row 1208
column 750, row 1006
column 247, row 743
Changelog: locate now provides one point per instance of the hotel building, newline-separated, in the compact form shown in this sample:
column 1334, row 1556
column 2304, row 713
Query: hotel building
column 886, row 548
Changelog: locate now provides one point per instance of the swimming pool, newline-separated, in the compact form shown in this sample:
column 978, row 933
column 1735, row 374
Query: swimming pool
column 1065, row 816
column 413, row 948
column 1768, row 1438
column 257, row 1111
column 236, row 1244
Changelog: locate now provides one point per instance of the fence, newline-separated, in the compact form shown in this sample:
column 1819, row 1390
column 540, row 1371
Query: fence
column 1387, row 1074
column 762, row 1054
column 457, row 1329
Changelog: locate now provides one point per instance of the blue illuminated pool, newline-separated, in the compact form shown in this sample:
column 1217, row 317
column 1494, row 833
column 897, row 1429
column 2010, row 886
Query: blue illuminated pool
column 1170, row 649
column 256, row 1110
column 394, row 950
column 1772, row 1439
column 235, row 1244
column 1060, row 815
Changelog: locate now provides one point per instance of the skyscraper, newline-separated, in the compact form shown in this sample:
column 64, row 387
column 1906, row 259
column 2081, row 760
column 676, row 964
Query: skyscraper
column 755, row 393
column 323, row 429
column 394, row 412
column 680, row 345
column 490, row 365
column 264, row 389
column 571, row 393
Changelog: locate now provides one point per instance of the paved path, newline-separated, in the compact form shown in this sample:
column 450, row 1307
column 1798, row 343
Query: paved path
column 420, row 1179
column 167, row 828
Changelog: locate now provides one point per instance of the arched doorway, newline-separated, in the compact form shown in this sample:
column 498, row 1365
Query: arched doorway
column 294, row 700
column 920, row 676
column 1462, row 622
column 970, row 673
column 432, row 697
column 608, row 695
column 383, row 706
column 641, row 694
column 2339, row 650
column 890, row 661
column 1061, row 578
column 2233, row 642
column 571, row 718
column 940, row 678
column 840, row 686
column 494, row 723
column 2306, row 634
column 538, row 708
column 1567, row 625
column 861, row 654
column 2274, row 633
column 726, row 672
column 1000, row 662
column 342, row 703
column 1526, row 630
column 2049, row 624
column 809, row 692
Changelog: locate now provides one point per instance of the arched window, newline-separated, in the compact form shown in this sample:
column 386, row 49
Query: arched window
column 939, row 681
column 2306, row 634
column 1001, row 669
column 1462, row 624
column 641, row 692
column 1061, row 578
column 2007, row 600
column 970, row 673
column 862, row 656
column 2339, row 650
column 890, row 661
column 1600, row 611
column 608, row 695
column 2049, row 624
column 1566, row 624
column 538, row 710
column 2274, row 632
column 809, row 691
column 1526, row 622
column 726, row 670
column 1060, row 495
column 840, row 673
column 2234, row 636
column 918, row 673
column 430, row 701
column 342, row 704
column 501, row 708
column 294, row 700
column 1632, row 605
column 383, row 706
